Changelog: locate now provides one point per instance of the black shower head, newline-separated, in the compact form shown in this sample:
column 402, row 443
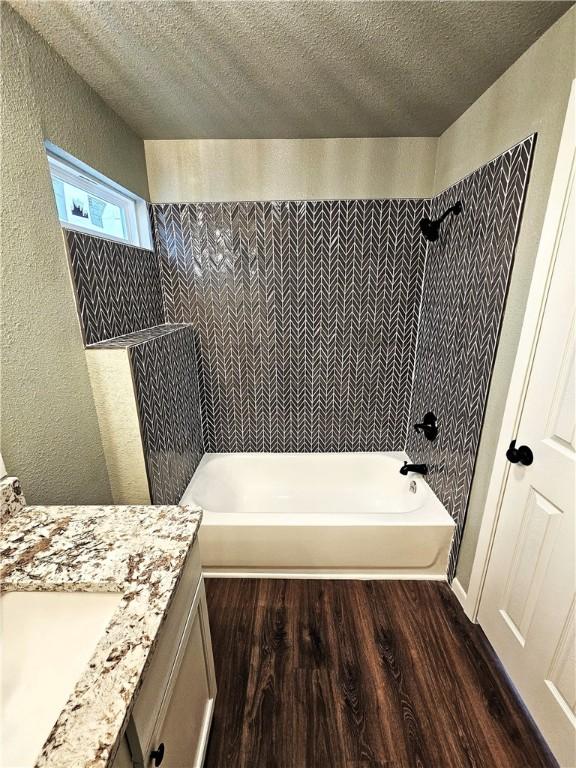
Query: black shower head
column 431, row 229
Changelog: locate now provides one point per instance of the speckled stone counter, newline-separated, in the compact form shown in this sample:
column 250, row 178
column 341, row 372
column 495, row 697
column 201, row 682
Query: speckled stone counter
column 136, row 550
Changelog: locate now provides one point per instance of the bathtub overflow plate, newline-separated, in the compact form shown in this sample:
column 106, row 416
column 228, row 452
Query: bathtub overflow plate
column 413, row 487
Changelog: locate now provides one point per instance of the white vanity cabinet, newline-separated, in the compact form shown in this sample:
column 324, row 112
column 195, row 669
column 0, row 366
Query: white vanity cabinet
column 170, row 721
column 184, row 721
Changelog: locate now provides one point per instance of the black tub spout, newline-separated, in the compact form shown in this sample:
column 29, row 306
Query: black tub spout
column 421, row 469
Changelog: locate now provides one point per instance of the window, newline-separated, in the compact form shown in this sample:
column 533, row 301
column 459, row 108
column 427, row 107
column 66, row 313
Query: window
column 91, row 203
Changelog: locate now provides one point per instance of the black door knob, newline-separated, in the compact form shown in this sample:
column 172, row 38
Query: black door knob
column 157, row 755
column 522, row 455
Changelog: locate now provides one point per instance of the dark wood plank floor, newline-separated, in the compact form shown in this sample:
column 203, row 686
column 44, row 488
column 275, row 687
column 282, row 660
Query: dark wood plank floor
column 358, row 674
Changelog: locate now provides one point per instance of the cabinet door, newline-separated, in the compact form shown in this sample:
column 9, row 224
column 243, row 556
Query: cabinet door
column 184, row 722
column 123, row 758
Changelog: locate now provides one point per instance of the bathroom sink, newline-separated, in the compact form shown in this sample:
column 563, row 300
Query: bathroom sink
column 46, row 641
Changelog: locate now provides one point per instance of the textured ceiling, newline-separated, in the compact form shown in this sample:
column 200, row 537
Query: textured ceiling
column 289, row 69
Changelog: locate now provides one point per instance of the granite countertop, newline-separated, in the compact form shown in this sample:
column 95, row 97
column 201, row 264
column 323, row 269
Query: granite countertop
column 136, row 550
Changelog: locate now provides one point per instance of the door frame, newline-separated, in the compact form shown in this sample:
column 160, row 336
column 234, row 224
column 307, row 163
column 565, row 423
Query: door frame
column 542, row 275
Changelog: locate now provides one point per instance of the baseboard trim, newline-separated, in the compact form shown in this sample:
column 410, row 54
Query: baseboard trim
column 274, row 573
column 460, row 592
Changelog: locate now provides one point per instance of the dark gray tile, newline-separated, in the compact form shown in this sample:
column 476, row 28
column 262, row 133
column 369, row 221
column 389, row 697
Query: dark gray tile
column 167, row 395
column 118, row 286
column 465, row 284
column 307, row 318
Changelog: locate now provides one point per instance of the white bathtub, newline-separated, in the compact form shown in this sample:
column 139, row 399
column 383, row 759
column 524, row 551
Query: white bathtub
column 318, row 514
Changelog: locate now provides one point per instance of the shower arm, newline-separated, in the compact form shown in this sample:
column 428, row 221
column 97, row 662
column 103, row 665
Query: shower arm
column 456, row 209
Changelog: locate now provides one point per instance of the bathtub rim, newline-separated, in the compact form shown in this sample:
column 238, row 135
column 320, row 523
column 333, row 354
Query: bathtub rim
column 432, row 513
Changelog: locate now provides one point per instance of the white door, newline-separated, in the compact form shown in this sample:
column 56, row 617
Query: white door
column 527, row 603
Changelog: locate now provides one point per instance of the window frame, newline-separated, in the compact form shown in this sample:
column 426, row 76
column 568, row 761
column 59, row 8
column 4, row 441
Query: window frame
column 134, row 209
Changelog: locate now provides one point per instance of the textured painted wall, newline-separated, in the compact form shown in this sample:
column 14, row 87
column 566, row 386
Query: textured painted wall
column 50, row 435
column 117, row 286
column 306, row 314
column 531, row 96
column 289, row 169
column 465, row 285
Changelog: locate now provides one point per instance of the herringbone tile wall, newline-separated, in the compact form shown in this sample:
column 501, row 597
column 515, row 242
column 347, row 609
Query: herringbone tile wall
column 119, row 297
column 118, row 287
column 167, row 395
column 309, row 330
column 465, row 285
column 306, row 314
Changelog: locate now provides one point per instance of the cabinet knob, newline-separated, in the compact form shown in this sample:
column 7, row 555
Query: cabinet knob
column 157, row 755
